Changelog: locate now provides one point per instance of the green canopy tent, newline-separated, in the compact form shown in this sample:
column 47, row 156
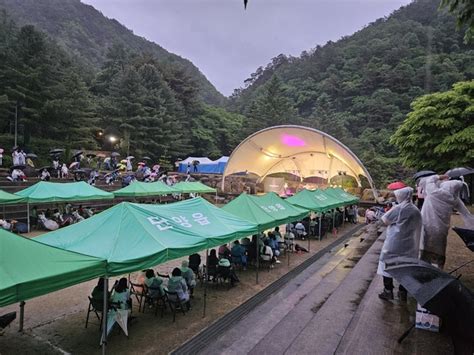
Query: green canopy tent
column 341, row 195
column 195, row 187
column 144, row 189
column 30, row 269
column 315, row 200
column 9, row 199
column 134, row 237
column 246, row 207
column 47, row 192
column 61, row 192
column 266, row 211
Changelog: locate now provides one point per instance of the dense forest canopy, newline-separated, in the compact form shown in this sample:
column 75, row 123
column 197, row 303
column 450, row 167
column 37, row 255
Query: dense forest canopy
column 87, row 35
column 87, row 78
column 151, row 107
column 359, row 89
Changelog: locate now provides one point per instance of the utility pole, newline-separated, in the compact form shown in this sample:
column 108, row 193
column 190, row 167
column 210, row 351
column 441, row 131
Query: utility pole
column 16, row 124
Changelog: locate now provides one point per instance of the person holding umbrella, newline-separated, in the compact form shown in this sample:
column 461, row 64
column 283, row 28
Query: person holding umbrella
column 442, row 197
column 402, row 238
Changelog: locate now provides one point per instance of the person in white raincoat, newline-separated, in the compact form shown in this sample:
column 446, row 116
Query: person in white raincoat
column 402, row 237
column 442, row 197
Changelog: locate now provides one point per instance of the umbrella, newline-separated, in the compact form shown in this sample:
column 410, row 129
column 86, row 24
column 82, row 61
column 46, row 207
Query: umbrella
column 146, row 158
column 73, row 165
column 467, row 235
column 77, row 153
column 156, row 167
column 457, row 172
column 79, row 171
column 396, row 185
column 31, row 155
column 101, row 155
column 114, row 154
column 123, row 161
column 438, row 292
column 45, row 168
column 15, row 148
column 130, row 157
column 91, row 155
column 423, row 173
column 141, row 163
column 56, row 151
column 1, row 150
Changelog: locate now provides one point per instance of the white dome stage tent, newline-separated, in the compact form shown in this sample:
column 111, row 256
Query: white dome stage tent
column 301, row 151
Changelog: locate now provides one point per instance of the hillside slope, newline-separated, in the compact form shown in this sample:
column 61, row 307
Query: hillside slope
column 87, row 33
column 359, row 89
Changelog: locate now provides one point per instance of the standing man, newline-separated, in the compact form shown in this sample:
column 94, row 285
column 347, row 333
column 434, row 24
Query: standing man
column 402, row 238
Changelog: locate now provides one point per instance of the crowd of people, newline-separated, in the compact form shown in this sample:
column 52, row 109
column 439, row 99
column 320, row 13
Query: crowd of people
column 421, row 232
column 87, row 167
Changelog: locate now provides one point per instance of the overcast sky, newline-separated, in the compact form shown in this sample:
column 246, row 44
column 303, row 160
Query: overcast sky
column 227, row 43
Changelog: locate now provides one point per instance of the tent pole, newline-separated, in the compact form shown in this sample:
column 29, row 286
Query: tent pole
column 288, row 247
column 333, row 219
column 28, row 215
column 4, row 216
column 320, row 221
column 104, row 314
column 343, row 216
column 309, row 244
column 22, row 315
column 258, row 257
column 205, row 285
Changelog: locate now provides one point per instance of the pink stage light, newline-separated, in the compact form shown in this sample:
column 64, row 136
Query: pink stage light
column 292, row 141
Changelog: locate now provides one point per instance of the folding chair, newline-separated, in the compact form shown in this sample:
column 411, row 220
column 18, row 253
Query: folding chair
column 156, row 302
column 96, row 307
column 139, row 292
column 175, row 303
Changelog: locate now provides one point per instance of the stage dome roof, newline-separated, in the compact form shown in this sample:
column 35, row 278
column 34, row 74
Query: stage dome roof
column 297, row 150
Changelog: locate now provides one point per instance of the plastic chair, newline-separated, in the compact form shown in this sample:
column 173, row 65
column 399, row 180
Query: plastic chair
column 139, row 292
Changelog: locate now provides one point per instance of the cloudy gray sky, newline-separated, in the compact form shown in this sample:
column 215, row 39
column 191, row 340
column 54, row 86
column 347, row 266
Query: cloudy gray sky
column 228, row 43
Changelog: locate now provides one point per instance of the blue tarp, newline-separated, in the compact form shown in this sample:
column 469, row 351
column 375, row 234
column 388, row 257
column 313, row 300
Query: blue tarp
column 216, row 167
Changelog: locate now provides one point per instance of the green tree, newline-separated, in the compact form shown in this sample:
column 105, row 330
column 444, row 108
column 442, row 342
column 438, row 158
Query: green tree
column 464, row 11
column 271, row 108
column 439, row 131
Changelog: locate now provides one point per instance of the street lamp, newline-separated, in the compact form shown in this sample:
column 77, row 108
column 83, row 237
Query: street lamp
column 112, row 139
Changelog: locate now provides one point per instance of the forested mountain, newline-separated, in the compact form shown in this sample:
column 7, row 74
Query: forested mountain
column 149, row 107
column 359, row 89
column 87, row 35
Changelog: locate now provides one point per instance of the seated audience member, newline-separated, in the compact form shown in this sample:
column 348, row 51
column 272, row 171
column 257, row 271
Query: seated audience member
column 188, row 275
column 212, row 262
column 238, row 254
column 300, row 230
column 289, row 239
column 224, row 251
column 267, row 254
column 121, row 295
column 177, row 285
column 272, row 242
column 194, row 262
column 154, row 284
column 225, row 270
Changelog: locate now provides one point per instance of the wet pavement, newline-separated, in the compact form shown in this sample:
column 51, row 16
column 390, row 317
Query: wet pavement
column 332, row 307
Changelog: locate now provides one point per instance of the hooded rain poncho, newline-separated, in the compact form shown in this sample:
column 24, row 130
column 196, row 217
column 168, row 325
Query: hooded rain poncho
column 441, row 199
column 403, row 231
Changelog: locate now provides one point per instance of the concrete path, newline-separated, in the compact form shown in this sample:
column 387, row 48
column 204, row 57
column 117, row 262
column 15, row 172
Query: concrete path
column 331, row 308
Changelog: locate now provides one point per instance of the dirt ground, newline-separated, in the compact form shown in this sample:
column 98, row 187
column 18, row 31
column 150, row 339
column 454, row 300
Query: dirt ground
column 54, row 323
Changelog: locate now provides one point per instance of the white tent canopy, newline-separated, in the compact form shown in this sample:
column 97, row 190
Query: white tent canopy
column 298, row 150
